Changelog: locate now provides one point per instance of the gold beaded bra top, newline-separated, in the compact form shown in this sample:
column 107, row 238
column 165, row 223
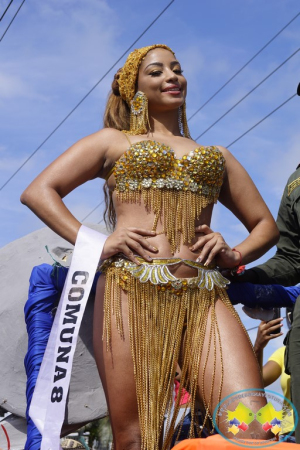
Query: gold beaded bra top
column 175, row 189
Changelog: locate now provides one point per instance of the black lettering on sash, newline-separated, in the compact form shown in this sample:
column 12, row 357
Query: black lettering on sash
column 76, row 294
column 63, row 351
column 71, row 310
column 80, row 274
column 64, row 332
column 60, row 373
column 56, row 394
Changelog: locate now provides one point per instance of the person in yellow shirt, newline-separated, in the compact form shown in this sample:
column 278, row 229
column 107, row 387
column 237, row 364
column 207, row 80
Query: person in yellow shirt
column 274, row 368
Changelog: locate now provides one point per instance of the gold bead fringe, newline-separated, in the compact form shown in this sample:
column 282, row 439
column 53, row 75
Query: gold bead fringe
column 158, row 323
column 177, row 210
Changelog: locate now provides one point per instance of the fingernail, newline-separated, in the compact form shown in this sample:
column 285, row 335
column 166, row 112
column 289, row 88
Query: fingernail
column 149, row 258
column 206, row 263
column 199, row 259
column 154, row 248
column 191, row 248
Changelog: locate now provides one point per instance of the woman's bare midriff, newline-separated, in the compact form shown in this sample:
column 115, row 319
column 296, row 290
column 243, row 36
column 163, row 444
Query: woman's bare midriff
column 135, row 215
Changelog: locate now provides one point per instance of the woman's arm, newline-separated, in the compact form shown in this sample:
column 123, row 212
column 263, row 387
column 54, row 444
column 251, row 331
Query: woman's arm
column 240, row 196
column 84, row 161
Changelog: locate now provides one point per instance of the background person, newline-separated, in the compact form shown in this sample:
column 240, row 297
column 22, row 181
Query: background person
column 274, row 368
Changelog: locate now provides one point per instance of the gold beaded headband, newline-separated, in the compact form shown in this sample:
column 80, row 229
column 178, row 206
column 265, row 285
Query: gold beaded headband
column 129, row 72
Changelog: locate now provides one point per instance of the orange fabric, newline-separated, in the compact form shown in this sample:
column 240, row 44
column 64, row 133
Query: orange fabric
column 217, row 442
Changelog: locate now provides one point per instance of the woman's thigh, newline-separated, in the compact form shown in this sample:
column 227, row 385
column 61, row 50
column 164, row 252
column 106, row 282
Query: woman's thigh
column 232, row 362
column 115, row 367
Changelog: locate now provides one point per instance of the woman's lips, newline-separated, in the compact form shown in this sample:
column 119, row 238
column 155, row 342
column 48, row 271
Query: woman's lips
column 172, row 90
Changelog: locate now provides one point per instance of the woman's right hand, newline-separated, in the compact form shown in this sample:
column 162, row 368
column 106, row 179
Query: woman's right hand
column 130, row 241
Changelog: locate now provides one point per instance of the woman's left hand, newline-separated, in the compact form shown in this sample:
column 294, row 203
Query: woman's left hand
column 212, row 246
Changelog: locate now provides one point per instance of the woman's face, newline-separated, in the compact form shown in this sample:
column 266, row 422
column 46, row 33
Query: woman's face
column 160, row 78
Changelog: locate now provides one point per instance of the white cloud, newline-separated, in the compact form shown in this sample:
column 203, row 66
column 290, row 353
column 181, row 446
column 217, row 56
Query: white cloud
column 72, row 40
column 10, row 163
column 282, row 166
column 11, row 86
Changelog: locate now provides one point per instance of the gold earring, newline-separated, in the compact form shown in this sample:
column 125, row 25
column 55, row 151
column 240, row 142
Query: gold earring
column 182, row 120
column 139, row 119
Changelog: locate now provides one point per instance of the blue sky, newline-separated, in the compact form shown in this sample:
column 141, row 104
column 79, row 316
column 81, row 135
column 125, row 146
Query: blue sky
column 56, row 50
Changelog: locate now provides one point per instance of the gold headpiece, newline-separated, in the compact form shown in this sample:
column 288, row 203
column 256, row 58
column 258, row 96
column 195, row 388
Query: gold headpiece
column 137, row 101
column 129, row 72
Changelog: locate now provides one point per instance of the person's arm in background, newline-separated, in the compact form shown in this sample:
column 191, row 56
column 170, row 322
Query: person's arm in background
column 284, row 267
column 271, row 371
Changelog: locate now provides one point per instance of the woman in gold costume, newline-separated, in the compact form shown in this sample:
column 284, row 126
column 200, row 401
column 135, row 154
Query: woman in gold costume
column 161, row 299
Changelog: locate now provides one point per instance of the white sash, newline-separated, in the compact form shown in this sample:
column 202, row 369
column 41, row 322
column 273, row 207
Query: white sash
column 48, row 403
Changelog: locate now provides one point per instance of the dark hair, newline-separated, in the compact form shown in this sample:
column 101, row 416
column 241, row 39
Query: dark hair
column 117, row 116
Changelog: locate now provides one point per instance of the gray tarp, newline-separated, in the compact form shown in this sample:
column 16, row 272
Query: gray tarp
column 86, row 400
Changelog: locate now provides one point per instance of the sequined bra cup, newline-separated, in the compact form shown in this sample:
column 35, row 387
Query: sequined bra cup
column 176, row 190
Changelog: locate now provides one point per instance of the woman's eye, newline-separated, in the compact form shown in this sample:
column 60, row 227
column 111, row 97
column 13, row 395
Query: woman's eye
column 156, row 73
column 178, row 71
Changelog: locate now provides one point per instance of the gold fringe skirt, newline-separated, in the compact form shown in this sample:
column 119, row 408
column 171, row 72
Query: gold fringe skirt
column 163, row 308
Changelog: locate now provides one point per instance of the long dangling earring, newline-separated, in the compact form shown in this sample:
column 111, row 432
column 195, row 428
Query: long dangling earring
column 182, row 121
column 139, row 119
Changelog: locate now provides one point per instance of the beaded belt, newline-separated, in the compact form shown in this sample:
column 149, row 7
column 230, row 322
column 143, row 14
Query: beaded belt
column 157, row 273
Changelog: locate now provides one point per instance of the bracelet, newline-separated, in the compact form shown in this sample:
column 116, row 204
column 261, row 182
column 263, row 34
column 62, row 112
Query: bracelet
column 238, row 269
column 240, row 261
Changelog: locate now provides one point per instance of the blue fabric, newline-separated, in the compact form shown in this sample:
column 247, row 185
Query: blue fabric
column 45, row 287
column 263, row 296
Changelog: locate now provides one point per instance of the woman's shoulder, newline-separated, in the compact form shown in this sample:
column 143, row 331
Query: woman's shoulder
column 101, row 139
column 110, row 136
column 111, row 143
column 105, row 142
column 225, row 152
column 231, row 161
